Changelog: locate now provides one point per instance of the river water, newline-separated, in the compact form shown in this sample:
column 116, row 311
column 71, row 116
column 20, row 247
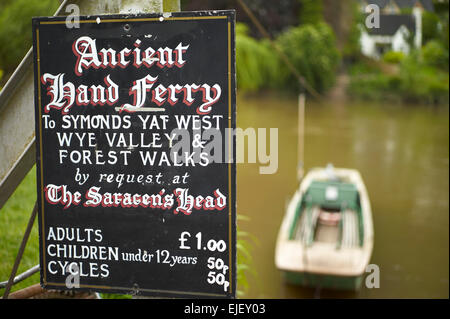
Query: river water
column 402, row 153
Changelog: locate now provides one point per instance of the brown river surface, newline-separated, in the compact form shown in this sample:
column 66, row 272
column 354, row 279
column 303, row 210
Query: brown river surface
column 402, row 153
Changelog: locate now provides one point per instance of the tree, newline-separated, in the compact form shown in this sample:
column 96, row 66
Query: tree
column 442, row 10
column 311, row 11
column 312, row 50
column 430, row 26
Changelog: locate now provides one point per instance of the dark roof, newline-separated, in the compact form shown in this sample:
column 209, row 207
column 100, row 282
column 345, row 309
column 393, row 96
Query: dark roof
column 405, row 3
column 402, row 4
column 380, row 3
column 427, row 5
column 390, row 23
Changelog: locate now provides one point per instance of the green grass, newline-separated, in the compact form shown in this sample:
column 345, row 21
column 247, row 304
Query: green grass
column 14, row 218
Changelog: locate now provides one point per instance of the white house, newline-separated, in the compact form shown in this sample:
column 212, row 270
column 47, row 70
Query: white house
column 393, row 31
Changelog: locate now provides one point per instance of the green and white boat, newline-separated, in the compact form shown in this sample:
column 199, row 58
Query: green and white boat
column 326, row 237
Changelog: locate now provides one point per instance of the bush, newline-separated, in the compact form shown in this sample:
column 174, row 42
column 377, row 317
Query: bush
column 257, row 66
column 369, row 83
column 393, row 57
column 421, row 82
column 434, row 54
column 430, row 26
column 415, row 82
column 312, row 50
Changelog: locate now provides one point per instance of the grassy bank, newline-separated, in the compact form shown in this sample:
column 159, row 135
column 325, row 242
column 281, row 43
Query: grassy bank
column 410, row 81
column 14, row 218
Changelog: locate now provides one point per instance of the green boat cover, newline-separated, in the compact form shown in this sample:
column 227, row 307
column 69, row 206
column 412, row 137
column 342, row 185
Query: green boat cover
column 330, row 195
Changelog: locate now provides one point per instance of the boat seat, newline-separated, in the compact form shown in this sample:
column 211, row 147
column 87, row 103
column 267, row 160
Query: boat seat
column 329, row 218
column 307, row 225
column 350, row 229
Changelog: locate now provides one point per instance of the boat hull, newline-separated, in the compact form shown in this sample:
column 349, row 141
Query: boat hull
column 326, row 261
column 350, row 283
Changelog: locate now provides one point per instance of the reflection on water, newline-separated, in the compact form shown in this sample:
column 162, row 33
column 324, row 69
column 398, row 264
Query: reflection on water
column 402, row 153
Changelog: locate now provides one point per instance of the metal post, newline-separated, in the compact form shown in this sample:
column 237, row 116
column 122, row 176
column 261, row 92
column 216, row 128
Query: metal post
column 21, row 250
column 301, row 136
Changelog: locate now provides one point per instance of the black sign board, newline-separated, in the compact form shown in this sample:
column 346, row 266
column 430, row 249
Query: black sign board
column 135, row 165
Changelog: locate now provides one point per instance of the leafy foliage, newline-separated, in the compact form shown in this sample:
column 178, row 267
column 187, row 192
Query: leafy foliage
column 435, row 55
column 422, row 82
column 15, row 28
column 352, row 47
column 311, row 12
column 257, row 66
column 416, row 81
column 430, row 26
column 245, row 268
column 394, row 57
column 312, row 50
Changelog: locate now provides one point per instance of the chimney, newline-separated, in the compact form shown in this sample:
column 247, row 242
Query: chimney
column 417, row 13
